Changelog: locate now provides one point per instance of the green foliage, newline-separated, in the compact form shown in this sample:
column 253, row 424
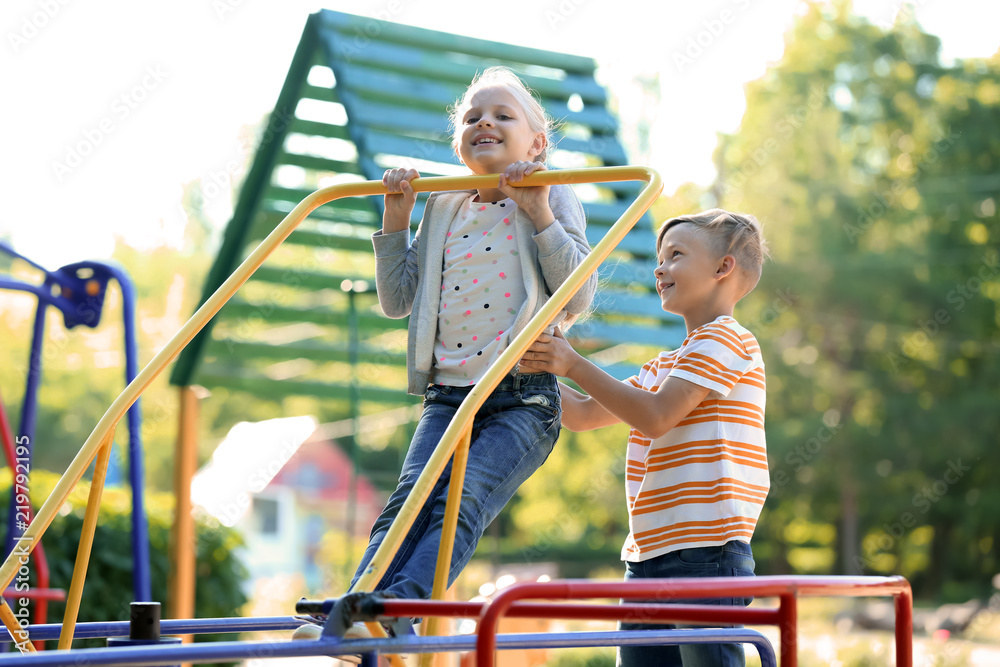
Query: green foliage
column 108, row 588
column 873, row 168
column 592, row 657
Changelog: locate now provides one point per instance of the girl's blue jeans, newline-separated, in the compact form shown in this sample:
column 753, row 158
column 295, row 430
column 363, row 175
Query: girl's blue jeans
column 512, row 435
column 733, row 559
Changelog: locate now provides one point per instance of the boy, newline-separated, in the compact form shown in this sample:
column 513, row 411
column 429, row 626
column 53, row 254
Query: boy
column 696, row 475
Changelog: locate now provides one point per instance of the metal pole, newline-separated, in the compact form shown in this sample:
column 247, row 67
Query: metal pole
column 184, row 538
column 86, row 543
column 29, row 413
column 354, row 407
column 142, row 586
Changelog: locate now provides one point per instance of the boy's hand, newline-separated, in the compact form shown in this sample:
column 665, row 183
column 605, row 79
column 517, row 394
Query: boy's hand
column 399, row 203
column 533, row 201
column 552, row 354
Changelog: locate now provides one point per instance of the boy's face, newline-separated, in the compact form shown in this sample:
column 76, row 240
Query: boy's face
column 495, row 133
column 687, row 270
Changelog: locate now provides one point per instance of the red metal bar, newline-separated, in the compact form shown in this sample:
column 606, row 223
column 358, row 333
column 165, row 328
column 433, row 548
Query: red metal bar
column 636, row 613
column 788, row 630
column 36, row 594
column 785, row 588
column 904, row 627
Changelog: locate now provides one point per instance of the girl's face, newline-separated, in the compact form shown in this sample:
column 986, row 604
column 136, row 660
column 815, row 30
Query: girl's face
column 495, row 133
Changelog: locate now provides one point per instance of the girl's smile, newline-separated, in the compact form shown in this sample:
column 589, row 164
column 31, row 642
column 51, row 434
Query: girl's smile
column 495, row 133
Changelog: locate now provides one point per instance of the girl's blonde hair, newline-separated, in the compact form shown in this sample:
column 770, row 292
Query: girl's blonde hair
column 503, row 77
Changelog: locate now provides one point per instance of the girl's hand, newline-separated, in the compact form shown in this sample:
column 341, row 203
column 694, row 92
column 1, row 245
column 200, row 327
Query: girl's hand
column 399, row 203
column 552, row 354
column 534, row 201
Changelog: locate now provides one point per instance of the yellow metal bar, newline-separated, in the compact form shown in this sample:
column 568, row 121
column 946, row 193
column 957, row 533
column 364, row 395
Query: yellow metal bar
column 15, row 629
column 379, row 632
column 439, row 459
column 456, row 482
column 182, row 562
column 231, row 285
column 75, row 593
column 443, row 569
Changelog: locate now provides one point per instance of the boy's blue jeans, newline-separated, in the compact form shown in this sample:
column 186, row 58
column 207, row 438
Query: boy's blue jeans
column 733, row 559
column 512, row 435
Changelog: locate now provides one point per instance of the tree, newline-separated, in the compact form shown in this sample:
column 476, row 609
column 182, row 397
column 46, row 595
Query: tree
column 858, row 156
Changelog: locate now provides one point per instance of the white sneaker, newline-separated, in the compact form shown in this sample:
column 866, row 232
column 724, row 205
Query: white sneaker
column 308, row 631
column 313, row 631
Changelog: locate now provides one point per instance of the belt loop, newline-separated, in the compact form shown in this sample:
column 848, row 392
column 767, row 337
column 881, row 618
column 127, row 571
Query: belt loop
column 518, row 378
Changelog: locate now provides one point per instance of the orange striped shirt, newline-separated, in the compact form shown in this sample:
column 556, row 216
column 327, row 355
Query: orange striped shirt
column 703, row 483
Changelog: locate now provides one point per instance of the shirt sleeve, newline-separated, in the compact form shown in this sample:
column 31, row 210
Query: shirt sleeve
column 714, row 358
column 638, row 380
column 397, row 271
column 563, row 245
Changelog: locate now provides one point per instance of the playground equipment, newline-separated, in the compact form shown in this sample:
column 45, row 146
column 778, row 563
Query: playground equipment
column 454, row 444
column 381, row 70
column 77, row 291
column 362, row 94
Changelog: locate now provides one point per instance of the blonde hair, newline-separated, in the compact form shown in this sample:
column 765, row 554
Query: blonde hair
column 736, row 234
column 503, row 77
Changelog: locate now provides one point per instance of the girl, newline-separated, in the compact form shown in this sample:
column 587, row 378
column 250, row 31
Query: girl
column 481, row 264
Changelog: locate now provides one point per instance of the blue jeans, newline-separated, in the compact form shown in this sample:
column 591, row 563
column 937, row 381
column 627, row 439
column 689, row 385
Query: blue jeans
column 512, row 435
column 733, row 559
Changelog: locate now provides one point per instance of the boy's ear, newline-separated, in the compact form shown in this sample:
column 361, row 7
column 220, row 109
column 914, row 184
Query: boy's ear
column 726, row 267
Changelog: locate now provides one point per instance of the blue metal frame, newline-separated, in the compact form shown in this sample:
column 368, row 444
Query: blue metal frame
column 66, row 290
column 243, row 650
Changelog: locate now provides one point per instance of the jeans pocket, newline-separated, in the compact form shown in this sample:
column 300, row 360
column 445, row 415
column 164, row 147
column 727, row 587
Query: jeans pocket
column 700, row 557
column 739, row 572
column 543, row 398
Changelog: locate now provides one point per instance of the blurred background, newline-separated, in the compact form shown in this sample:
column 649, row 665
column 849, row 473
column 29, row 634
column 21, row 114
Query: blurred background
column 862, row 135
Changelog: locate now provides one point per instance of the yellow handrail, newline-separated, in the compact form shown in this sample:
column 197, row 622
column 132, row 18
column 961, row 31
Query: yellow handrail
column 109, row 421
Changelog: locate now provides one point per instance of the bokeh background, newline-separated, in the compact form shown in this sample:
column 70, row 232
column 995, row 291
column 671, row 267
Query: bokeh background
column 863, row 136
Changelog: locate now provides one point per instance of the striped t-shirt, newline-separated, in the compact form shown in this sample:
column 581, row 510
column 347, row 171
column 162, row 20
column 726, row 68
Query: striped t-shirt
column 704, row 482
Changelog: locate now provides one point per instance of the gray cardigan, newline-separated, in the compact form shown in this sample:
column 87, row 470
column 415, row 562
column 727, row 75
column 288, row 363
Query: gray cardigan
column 408, row 275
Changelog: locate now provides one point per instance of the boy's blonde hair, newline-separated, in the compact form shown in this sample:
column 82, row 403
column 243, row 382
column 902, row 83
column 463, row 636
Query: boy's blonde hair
column 736, row 234
column 503, row 77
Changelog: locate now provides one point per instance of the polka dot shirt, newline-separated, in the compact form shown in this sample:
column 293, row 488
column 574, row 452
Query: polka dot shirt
column 481, row 291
